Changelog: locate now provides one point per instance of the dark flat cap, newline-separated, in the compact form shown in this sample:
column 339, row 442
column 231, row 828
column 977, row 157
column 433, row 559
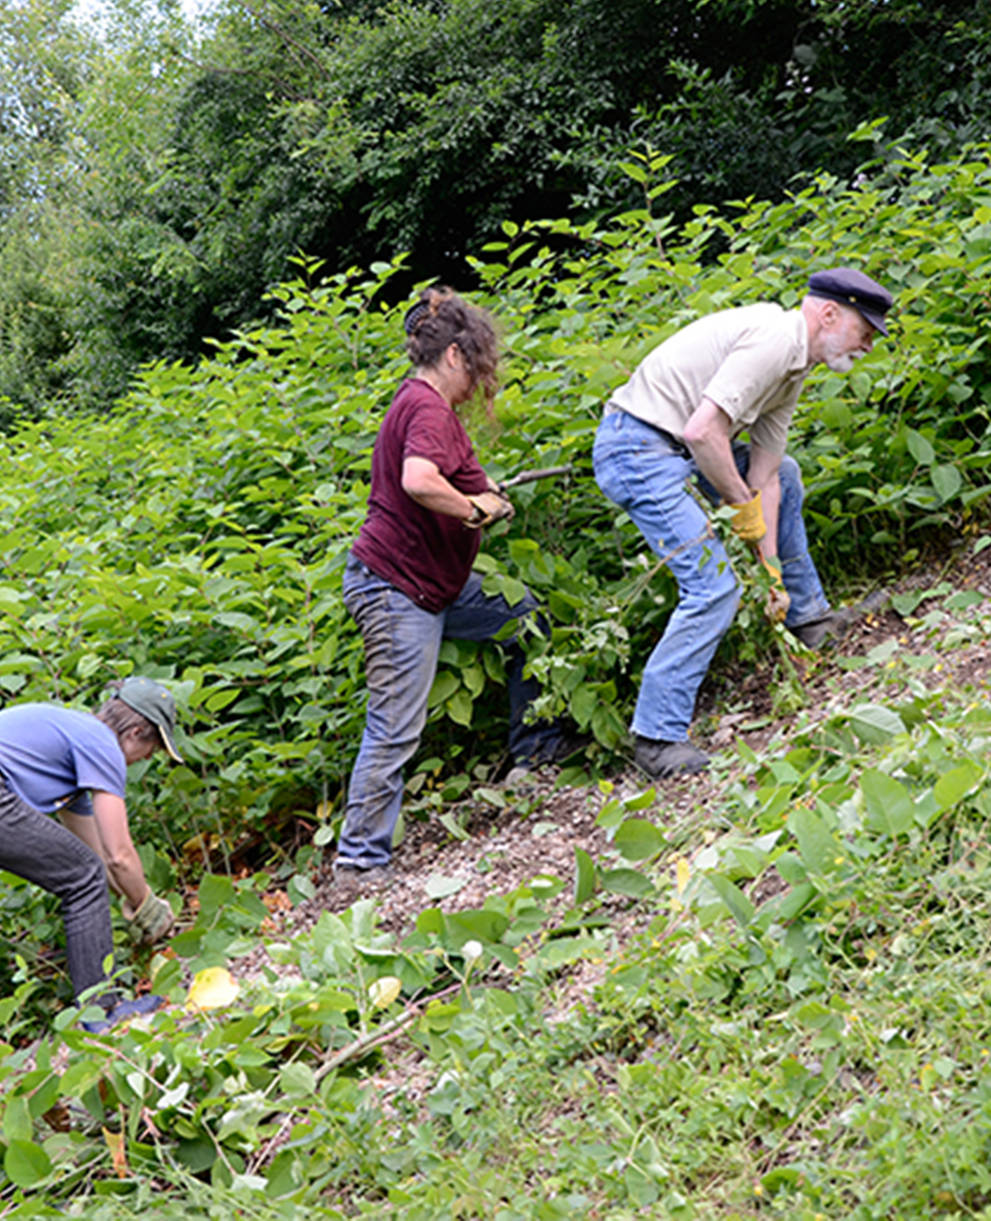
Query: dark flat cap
column 851, row 287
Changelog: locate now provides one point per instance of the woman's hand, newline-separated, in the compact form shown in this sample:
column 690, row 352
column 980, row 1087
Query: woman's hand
column 489, row 507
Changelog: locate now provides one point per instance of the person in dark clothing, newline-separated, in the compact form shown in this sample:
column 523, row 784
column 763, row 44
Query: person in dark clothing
column 409, row 582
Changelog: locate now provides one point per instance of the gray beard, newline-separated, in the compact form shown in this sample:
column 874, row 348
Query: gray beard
column 840, row 363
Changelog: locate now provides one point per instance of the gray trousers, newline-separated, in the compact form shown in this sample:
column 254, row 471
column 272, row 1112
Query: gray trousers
column 39, row 849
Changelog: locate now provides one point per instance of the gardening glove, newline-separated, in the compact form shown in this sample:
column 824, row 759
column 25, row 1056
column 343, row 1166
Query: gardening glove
column 489, row 507
column 778, row 601
column 748, row 519
column 152, row 921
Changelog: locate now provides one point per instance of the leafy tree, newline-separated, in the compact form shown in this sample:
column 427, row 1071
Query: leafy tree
column 200, row 165
column 84, row 126
column 41, row 61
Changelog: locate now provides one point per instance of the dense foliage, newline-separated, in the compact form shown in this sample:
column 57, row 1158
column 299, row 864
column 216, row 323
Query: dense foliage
column 157, row 182
column 806, row 1007
column 198, row 533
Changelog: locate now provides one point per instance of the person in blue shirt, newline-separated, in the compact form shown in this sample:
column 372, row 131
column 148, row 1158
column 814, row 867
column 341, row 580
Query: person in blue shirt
column 60, row 761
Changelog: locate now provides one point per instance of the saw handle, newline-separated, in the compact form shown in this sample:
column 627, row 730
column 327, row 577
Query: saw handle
column 547, row 472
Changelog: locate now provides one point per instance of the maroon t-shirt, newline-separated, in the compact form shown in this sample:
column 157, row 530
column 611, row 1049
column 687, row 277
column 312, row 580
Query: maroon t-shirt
column 426, row 555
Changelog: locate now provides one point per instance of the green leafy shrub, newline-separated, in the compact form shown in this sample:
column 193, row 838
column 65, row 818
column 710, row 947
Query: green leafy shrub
column 198, row 533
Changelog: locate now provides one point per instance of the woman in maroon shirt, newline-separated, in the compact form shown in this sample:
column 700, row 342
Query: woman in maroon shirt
column 409, row 581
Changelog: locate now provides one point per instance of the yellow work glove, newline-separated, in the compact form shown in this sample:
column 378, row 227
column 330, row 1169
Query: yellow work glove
column 748, row 519
column 778, row 601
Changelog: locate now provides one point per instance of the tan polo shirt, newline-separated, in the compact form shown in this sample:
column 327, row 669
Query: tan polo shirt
column 751, row 362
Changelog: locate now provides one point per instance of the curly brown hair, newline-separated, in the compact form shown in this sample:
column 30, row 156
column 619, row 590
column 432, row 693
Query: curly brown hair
column 439, row 318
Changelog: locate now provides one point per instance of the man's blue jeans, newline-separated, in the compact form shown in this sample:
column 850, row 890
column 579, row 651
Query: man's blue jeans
column 402, row 642
column 39, row 849
column 639, row 469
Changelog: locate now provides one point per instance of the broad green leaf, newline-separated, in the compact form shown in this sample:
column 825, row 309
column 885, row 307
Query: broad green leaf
column 626, row 882
column 451, row 822
column 473, row 678
column 430, row 921
column 300, row 886
column 947, row 480
column 642, row 801
column 564, row 950
column 238, row 621
column 637, row 172
column 333, row 943
column 737, row 903
column 482, row 923
column 17, row 1123
column 219, row 700
column 215, row 892
column 196, row 1155
column 817, row 1016
column 611, row 814
column 244, row 1115
column 790, row 904
column 955, row 784
column 875, row 724
column 439, row 1015
column 792, row 868
column 920, row 448
column 889, row 804
column 749, row 858
column 819, row 849
column 871, row 130
column 583, row 704
column 512, row 590
column 26, row 1163
column 637, row 839
column 444, row 686
column 459, row 707
column 88, row 664
column 331, row 1000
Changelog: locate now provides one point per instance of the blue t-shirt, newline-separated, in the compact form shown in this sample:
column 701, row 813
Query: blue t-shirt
column 52, row 756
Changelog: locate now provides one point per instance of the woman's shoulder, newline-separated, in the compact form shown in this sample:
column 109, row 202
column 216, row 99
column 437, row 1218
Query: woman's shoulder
column 415, row 392
column 416, row 407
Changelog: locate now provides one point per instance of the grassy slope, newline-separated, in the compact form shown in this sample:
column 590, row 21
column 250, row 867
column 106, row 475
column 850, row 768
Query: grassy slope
column 834, row 1064
column 796, row 1022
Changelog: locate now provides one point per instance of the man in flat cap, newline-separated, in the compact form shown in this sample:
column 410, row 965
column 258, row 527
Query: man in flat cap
column 677, row 419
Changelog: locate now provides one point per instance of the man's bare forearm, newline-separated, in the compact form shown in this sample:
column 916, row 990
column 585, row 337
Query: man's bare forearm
column 708, row 436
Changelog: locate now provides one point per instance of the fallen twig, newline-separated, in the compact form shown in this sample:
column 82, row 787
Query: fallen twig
column 352, row 1051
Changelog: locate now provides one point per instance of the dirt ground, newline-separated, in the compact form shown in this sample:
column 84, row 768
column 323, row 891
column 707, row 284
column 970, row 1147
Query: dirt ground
column 542, row 821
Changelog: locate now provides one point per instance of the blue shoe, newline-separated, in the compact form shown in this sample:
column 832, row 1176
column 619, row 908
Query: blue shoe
column 139, row 1007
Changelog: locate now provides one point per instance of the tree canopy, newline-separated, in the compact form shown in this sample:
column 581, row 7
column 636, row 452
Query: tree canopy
column 158, row 179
